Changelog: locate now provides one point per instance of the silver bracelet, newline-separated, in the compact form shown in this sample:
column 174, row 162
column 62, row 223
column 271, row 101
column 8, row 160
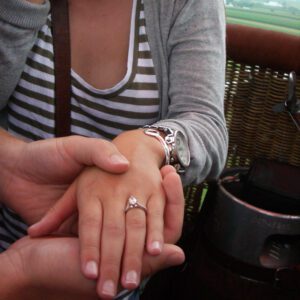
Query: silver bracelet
column 155, row 133
column 175, row 146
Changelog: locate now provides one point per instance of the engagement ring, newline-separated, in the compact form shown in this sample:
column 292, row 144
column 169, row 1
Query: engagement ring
column 132, row 202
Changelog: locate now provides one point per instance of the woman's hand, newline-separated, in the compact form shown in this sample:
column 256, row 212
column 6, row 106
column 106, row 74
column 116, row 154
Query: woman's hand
column 34, row 175
column 110, row 240
column 110, row 237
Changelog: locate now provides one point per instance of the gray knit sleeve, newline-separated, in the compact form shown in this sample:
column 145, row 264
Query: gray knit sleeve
column 196, row 48
column 19, row 24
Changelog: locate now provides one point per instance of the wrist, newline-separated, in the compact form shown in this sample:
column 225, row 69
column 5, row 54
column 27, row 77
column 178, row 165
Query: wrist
column 135, row 143
column 175, row 144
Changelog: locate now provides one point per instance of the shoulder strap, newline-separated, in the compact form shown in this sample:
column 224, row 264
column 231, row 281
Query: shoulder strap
column 62, row 63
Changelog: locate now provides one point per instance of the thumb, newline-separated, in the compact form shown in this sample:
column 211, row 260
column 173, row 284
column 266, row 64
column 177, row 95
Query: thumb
column 171, row 255
column 174, row 209
column 93, row 151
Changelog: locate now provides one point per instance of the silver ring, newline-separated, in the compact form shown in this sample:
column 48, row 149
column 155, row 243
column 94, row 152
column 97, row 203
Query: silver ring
column 132, row 202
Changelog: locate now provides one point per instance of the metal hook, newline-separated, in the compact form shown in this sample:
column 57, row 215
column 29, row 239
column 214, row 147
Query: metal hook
column 291, row 105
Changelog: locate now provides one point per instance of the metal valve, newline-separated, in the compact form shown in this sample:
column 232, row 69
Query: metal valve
column 292, row 104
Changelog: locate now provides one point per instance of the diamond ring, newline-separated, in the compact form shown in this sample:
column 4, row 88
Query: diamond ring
column 132, row 202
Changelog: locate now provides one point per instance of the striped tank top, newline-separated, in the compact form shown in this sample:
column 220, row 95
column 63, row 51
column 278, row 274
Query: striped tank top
column 131, row 103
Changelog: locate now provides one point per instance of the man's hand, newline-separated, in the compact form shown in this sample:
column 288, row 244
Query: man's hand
column 49, row 269
column 34, row 175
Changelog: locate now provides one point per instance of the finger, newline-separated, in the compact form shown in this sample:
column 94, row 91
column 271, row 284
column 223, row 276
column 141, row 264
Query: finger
column 92, row 151
column 58, row 213
column 171, row 256
column 174, row 209
column 90, row 224
column 134, row 247
column 165, row 170
column 112, row 245
column 70, row 226
column 155, row 223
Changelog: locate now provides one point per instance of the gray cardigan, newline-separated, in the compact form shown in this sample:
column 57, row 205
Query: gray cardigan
column 187, row 40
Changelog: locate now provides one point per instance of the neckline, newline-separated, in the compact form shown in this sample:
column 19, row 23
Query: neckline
column 131, row 60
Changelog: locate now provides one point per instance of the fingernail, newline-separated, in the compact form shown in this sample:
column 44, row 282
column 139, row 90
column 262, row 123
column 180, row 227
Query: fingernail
column 32, row 228
column 156, row 247
column 132, row 278
column 91, row 269
column 118, row 159
column 108, row 288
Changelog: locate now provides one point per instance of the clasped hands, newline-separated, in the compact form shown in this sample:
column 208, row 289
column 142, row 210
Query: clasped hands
column 111, row 243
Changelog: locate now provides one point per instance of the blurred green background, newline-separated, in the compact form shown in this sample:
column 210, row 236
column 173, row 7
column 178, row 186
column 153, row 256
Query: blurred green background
column 280, row 15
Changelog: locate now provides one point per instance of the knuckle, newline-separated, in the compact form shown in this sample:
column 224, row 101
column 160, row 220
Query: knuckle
column 156, row 213
column 136, row 223
column 90, row 247
column 90, row 250
column 111, row 261
column 90, row 222
column 54, row 210
column 156, row 233
column 109, row 145
column 114, row 229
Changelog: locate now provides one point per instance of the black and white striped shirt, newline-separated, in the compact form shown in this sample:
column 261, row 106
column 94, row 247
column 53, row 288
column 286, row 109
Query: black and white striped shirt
column 131, row 103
